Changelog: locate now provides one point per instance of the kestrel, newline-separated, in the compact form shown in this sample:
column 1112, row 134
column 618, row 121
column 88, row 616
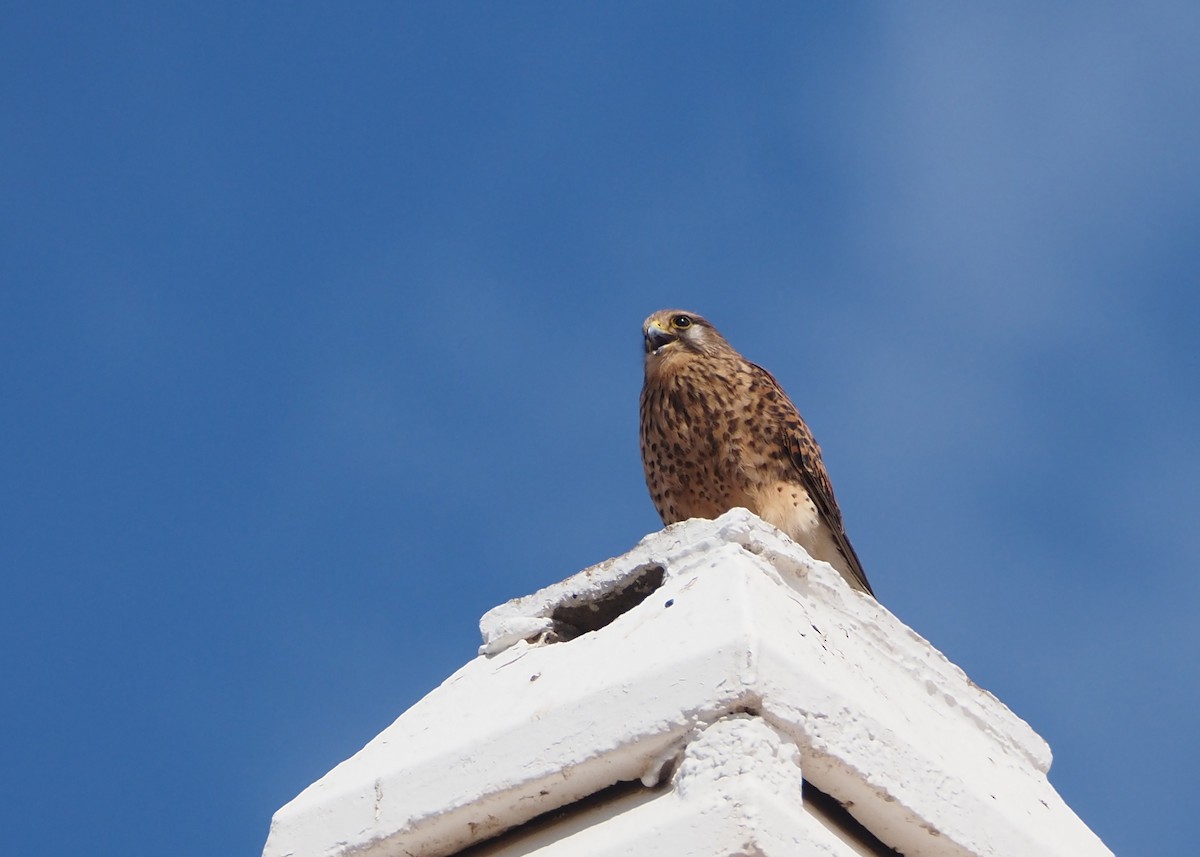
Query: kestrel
column 719, row 432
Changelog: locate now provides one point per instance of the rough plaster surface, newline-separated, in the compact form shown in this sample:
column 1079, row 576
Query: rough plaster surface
column 719, row 654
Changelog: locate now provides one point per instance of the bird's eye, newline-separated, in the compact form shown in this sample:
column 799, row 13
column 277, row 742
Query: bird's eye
column 680, row 322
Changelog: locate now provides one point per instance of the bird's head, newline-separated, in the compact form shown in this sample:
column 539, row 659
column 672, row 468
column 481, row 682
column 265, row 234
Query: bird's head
column 672, row 333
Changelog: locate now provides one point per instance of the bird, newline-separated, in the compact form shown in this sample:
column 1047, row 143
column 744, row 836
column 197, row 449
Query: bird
column 717, row 432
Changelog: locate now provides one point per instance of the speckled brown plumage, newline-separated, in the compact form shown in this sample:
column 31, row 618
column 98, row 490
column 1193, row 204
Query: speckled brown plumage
column 719, row 432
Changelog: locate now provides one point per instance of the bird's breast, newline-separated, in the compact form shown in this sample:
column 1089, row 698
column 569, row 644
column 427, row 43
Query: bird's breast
column 695, row 447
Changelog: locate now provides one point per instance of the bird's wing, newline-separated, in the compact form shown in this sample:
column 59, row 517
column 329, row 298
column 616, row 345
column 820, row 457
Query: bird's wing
column 804, row 453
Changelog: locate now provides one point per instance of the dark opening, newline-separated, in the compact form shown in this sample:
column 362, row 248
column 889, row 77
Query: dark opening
column 576, row 617
column 574, row 816
column 831, row 809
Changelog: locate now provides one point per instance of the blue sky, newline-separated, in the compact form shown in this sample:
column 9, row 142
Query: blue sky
column 321, row 334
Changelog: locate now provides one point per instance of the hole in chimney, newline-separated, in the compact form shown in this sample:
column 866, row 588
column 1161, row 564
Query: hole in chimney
column 576, row 617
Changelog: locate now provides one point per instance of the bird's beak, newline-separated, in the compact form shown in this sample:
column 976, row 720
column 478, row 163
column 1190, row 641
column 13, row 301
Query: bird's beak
column 657, row 336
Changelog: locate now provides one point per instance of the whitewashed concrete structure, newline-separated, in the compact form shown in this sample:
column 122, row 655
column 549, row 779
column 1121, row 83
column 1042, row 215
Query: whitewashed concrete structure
column 714, row 691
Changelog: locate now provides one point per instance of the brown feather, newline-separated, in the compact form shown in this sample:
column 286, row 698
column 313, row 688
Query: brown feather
column 717, row 432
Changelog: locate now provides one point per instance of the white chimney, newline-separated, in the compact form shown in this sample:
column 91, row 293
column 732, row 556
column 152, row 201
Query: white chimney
column 715, row 691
